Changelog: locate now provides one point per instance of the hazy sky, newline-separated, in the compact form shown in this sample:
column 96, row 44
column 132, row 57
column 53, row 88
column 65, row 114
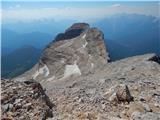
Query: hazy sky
column 29, row 11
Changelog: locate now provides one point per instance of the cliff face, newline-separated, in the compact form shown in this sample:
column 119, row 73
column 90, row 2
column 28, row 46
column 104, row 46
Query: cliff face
column 79, row 51
column 82, row 84
column 73, row 31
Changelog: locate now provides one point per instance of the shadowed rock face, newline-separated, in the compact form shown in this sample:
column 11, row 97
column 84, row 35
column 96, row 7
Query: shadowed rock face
column 155, row 58
column 74, row 31
column 82, row 26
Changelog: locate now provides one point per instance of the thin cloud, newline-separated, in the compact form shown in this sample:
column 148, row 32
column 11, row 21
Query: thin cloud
column 116, row 5
column 18, row 6
column 15, row 6
column 74, row 13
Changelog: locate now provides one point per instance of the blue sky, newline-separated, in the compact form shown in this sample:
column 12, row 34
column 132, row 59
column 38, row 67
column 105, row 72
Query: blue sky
column 29, row 11
column 41, row 4
column 78, row 0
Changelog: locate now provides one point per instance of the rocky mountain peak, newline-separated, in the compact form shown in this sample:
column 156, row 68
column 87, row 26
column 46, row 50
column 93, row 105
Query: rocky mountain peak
column 78, row 51
column 73, row 31
column 81, row 26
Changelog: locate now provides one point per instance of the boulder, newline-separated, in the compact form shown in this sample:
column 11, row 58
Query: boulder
column 119, row 93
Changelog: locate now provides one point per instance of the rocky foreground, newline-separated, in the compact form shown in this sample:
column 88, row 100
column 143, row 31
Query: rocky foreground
column 24, row 101
column 82, row 84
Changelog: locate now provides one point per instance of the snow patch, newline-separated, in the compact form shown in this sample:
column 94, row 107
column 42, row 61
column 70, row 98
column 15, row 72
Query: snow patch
column 86, row 43
column 35, row 74
column 83, row 45
column 43, row 70
column 84, row 36
column 92, row 65
column 71, row 70
column 51, row 78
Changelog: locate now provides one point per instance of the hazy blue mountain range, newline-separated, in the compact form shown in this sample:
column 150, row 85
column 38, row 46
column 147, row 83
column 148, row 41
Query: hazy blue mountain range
column 117, row 50
column 19, row 61
column 139, row 33
column 121, row 25
column 49, row 26
column 125, row 35
column 12, row 40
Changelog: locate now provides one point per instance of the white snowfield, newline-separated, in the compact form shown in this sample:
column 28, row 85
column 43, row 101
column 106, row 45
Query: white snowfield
column 72, row 70
column 41, row 71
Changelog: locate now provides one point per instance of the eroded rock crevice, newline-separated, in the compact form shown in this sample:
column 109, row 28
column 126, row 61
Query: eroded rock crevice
column 155, row 58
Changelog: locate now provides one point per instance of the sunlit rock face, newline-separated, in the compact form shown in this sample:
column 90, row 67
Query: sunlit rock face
column 79, row 51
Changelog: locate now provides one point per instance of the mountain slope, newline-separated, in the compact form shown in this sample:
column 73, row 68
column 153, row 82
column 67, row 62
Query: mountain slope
column 83, row 53
column 83, row 84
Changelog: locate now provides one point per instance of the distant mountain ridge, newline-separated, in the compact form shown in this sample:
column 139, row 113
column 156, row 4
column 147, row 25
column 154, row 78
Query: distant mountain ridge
column 19, row 61
column 125, row 35
column 13, row 40
column 140, row 33
column 132, row 30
